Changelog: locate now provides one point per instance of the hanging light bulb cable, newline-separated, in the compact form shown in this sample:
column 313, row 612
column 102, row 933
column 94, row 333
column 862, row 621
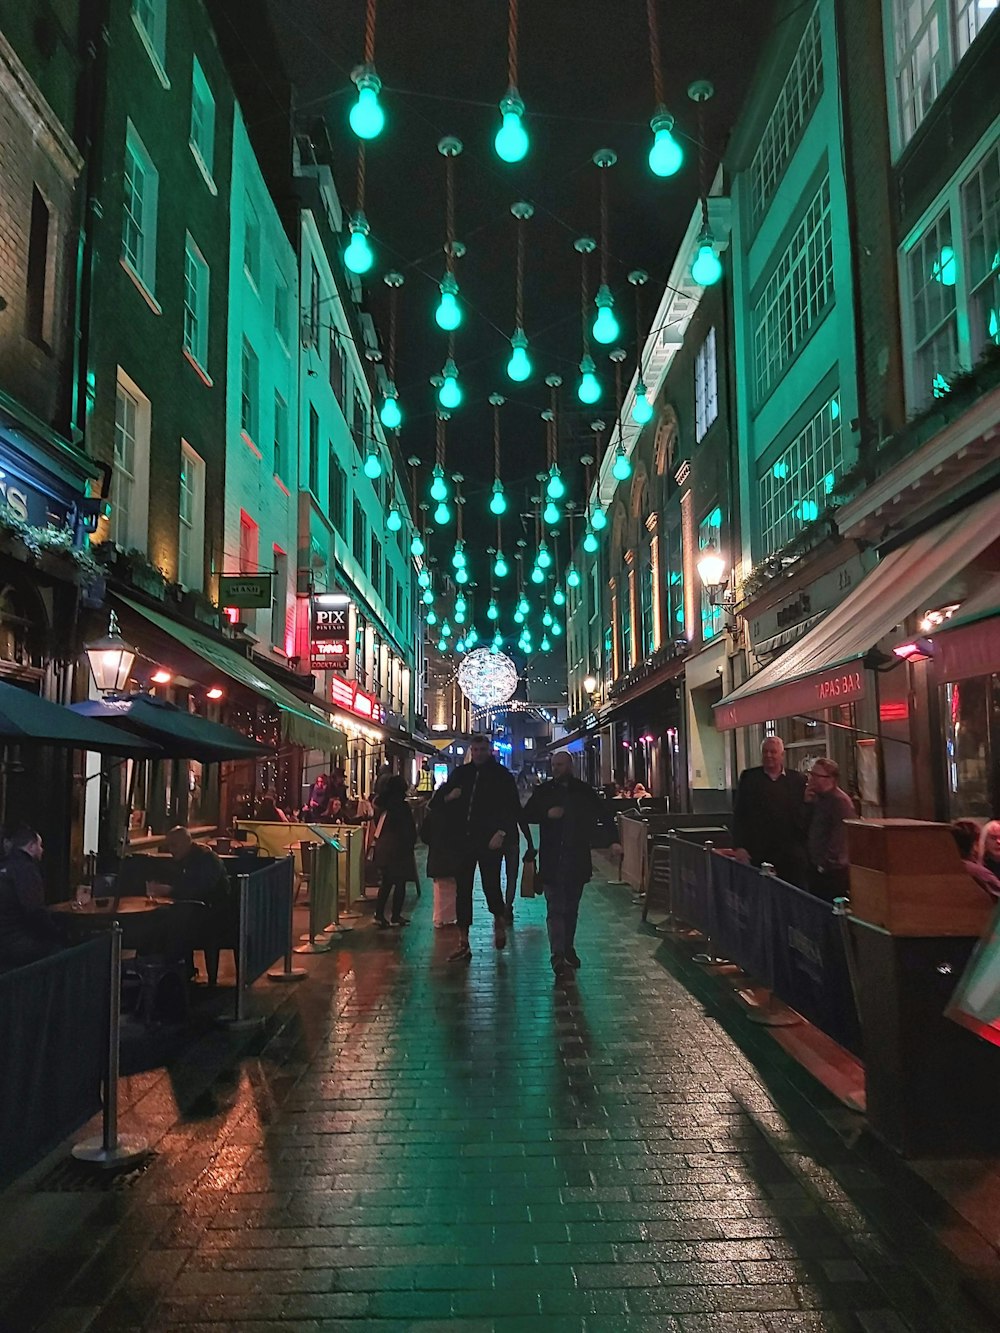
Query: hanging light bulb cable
column 589, row 389
column 606, row 328
column 555, row 488
column 367, row 119
column 419, row 511
column 511, row 141
column 439, row 487
column 359, row 256
column 373, row 458
column 390, row 414
column 449, row 313
column 498, row 502
column 706, row 267
column 519, row 365
column 642, row 409
column 621, row 468
column 666, row 155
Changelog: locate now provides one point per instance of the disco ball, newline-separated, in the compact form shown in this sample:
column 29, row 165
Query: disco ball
column 487, row 678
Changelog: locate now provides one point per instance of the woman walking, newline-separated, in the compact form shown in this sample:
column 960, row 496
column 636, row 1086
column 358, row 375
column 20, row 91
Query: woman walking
column 441, row 831
column 392, row 854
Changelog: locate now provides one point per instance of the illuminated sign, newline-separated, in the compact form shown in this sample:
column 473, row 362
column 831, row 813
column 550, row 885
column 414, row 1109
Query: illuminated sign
column 345, row 694
column 245, row 592
column 330, row 632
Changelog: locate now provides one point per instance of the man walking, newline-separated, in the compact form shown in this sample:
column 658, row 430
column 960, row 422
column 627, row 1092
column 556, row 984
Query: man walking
column 489, row 812
column 829, row 875
column 770, row 816
column 567, row 813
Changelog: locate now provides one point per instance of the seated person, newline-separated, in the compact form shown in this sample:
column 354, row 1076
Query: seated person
column 966, row 835
column 334, row 811
column 988, row 852
column 269, row 810
column 27, row 932
column 199, row 882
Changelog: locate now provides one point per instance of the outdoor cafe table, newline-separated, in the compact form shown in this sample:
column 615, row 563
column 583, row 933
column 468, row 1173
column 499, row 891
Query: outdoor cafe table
column 138, row 917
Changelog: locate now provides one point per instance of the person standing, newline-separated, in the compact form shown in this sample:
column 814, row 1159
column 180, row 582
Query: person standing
column 392, row 853
column 441, row 831
column 567, row 813
column 829, row 863
column 485, row 796
column 770, row 816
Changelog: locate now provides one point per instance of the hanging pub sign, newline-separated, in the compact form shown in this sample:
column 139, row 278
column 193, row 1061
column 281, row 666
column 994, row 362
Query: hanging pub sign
column 245, row 592
column 330, row 632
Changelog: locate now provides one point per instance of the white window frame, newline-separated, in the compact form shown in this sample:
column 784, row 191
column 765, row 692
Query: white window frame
column 251, row 243
column 196, row 292
column 706, row 387
column 282, row 312
column 134, row 533
column 793, row 107
column 140, row 186
column 282, row 446
column 945, row 30
column 152, row 32
column 793, row 491
column 249, row 391
column 202, row 136
column 950, row 206
column 279, row 599
column 191, row 520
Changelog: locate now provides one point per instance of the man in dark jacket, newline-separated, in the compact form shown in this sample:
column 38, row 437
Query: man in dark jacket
column 199, row 880
column 829, row 863
column 485, row 796
column 770, row 817
column 567, row 813
column 27, row 932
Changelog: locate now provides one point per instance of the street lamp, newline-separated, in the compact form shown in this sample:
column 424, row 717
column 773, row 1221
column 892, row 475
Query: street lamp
column 111, row 660
column 712, row 569
column 590, row 684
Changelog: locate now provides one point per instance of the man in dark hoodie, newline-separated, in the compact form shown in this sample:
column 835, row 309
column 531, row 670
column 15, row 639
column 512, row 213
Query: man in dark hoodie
column 485, row 795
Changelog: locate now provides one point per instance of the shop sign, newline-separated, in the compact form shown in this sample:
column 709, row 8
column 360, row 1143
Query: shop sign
column 330, row 632
column 32, row 493
column 805, row 605
column 347, row 695
column 810, row 694
column 245, row 592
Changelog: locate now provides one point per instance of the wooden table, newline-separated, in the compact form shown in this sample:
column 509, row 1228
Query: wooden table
column 134, row 915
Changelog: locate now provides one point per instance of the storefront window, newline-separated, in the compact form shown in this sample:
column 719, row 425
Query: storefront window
column 971, row 715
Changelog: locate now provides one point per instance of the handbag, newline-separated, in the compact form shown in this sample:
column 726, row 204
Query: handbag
column 528, row 877
column 372, row 873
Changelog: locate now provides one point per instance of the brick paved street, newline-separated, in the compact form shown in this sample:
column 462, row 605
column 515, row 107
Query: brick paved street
column 425, row 1145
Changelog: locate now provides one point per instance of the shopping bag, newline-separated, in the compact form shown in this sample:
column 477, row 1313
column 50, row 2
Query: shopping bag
column 528, row 877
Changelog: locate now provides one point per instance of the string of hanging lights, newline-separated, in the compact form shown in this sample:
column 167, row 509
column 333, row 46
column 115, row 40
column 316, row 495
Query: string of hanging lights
column 372, row 467
column 390, row 414
column 706, row 267
column 359, row 256
column 498, row 500
column 642, row 409
column 589, row 389
column 621, row 468
column 519, row 365
column 439, row 486
column 606, row 328
column 665, row 155
column 449, row 312
column 511, row 142
column 366, row 118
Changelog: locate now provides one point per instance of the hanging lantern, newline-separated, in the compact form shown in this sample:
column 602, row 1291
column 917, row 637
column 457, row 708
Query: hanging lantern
column 439, row 487
column 590, row 542
column 359, row 256
column 493, row 611
column 442, row 515
column 511, row 140
column 666, row 155
column 598, row 519
column 559, row 597
column 621, row 468
column 556, row 487
column 551, row 513
column 416, row 545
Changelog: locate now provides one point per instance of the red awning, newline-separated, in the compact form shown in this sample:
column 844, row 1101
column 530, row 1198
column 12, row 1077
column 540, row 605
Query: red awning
column 969, row 644
column 825, row 667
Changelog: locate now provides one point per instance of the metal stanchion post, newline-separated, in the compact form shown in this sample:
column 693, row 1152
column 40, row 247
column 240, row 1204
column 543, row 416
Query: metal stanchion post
column 287, row 972
column 842, row 911
column 335, row 927
column 668, row 926
column 112, row 1149
column 707, row 958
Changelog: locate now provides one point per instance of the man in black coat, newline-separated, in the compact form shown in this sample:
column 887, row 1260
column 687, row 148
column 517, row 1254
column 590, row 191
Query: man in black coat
column 27, row 932
column 770, row 817
column 484, row 795
column 568, row 814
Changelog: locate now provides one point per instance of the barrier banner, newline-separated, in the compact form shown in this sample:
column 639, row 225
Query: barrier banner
column 267, row 896
column 692, row 896
column 53, row 1048
column 743, row 930
column 808, row 965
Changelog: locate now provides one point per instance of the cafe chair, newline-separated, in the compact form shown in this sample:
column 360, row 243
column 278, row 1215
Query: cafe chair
column 160, row 987
column 304, row 853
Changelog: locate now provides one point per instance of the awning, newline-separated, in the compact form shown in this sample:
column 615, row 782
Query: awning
column 969, row 644
column 180, row 734
column 302, row 723
column 408, row 741
column 669, row 671
column 825, row 668
column 28, row 719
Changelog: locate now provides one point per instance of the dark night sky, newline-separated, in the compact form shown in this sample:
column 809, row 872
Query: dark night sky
column 584, row 75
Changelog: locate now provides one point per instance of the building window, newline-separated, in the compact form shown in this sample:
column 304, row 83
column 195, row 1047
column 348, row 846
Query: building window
column 358, row 423
column 929, row 38
column 195, row 304
column 249, row 391
column 130, row 474
column 337, row 367
column 313, row 450
column 139, row 210
column 710, row 534
column 706, row 387
column 282, row 307
column 951, row 281
column 249, row 548
column 359, row 534
column 191, row 524
column 312, row 332
column 150, row 17
column 970, row 18
column 646, row 593
column 37, row 309
column 796, row 487
column 202, row 120
column 251, row 243
column 400, row 608
column 338, row 495
column 625, row 619
column 798, row 292
column 673, row 577
column 279, row 599
column 799, row 93
column 375, row 562
column 280, row 435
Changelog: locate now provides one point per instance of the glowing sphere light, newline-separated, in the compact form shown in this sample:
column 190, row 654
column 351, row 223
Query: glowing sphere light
column 487, row 678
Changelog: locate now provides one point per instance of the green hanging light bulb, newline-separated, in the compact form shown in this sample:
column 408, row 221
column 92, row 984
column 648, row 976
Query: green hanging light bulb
column 367, row 119
column 439, row 487
column 424, row 578
column 373, row 463
column 706, row 268
column 448, row 313
column 511, row 140
column 589, row 389
column 459, row 617
column 493, row 611
column 556, row 487
column 498, row 501
column 523, row 605
column 472, row 637
column 519, row 617
column 621, row 468
column 416, row 545
column 442, row 515
column 544, row 558
column 598, row 519
column 556, row 629
column 442, row 645
column 572, row 576
column 450, row 392
column 642, row 408
column 551, row 513
column 390, row 415
column 460, row 603
column 497, row 641
column 461, row 575
column 537, row 575
column 359, row 256
column 431, row 617
column 445, row 629
column 460, row 646
column 590, row 542
column 606, row 328
column 666, row 154
column 458, row 558
column 545, row 644
column 394, row 520
column 500, row 567
column 559, row 597
column 428, row 597
column 519, row 365
column 547, row 618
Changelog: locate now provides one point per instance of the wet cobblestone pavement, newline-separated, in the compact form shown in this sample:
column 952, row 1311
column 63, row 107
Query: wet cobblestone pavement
column 430, row 1145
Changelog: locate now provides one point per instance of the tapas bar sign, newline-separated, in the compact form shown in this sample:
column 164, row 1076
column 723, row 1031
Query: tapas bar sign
column 809, row 694
column 330, row 632
column 345, row 694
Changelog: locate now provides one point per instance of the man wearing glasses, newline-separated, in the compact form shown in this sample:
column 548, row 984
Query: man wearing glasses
column 827, row 837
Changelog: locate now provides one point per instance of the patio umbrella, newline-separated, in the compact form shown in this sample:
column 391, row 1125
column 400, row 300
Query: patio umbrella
column 178, row 733
column 27, row 719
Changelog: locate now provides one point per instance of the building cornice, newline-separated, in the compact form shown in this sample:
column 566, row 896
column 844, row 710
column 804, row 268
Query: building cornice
column 20, row 88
